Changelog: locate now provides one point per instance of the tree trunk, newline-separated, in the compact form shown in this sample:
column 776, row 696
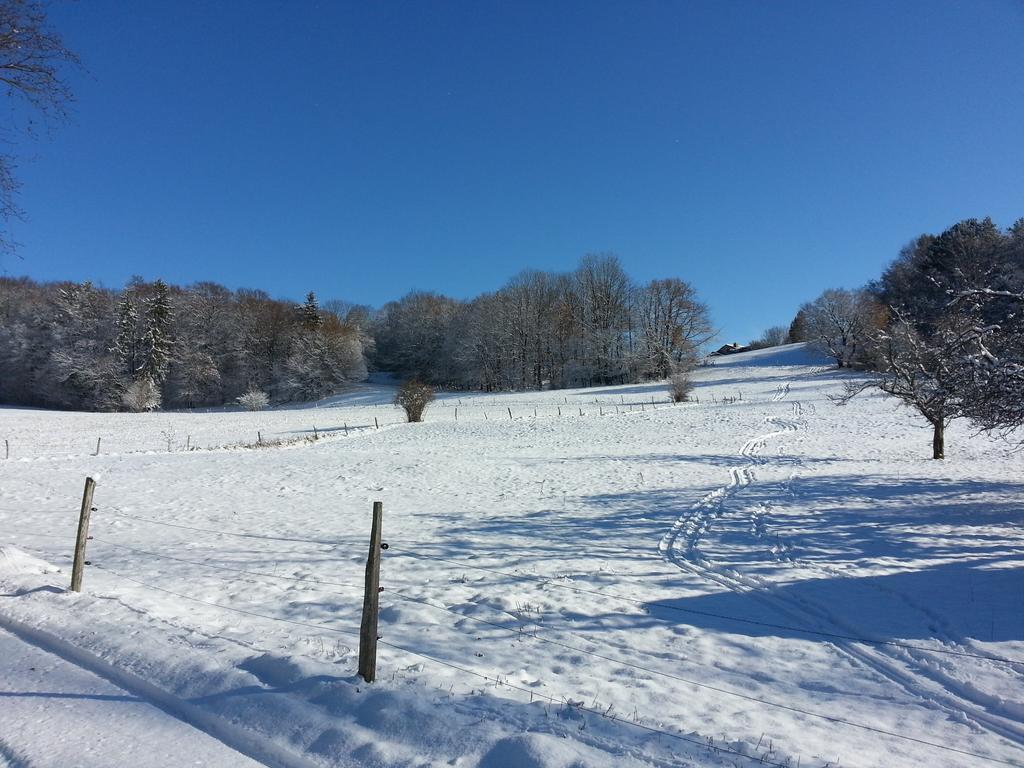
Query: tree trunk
column 939, row 439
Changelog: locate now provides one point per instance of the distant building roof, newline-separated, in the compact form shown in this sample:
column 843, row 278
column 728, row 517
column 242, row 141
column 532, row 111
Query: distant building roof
column 730, row 349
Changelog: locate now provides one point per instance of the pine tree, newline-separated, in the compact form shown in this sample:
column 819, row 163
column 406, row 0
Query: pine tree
column 127, row 345
column 158, row 341
column 310, row 313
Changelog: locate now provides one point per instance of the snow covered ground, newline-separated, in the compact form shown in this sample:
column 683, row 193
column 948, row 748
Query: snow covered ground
column 762, row 575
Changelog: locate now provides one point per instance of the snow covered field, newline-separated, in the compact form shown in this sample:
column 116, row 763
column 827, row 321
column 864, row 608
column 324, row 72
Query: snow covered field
column 770, row 578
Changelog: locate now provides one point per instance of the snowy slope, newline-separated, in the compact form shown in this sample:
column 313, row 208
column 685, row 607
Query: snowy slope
column 56, row 713
column 760, row 575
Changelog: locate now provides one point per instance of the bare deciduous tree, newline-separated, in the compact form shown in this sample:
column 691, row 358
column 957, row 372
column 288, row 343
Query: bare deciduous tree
column 32, row 59
column 673, row 324
column 991, row 369
column 772, row 337
column 922, row 372
column 840, row 323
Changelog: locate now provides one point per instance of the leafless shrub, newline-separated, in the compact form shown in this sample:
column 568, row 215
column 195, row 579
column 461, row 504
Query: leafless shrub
column 142, row 395
column 254, row 400
column 680, row 386
column 414, row 396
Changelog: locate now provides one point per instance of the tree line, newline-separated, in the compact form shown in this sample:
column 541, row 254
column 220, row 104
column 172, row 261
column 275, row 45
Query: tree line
column 151, row 345
column 942, row 329
column 69, row 345
column 591, row 326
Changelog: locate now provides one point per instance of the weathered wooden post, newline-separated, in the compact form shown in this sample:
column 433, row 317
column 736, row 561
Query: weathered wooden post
column 7, row 449
column 83, row 535
column 376, row 423
column 510, row 414
column 371, row 600
column 98, row 439
column 316, row 435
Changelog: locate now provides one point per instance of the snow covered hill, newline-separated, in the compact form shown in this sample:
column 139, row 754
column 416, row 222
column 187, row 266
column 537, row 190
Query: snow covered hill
column 574, row 578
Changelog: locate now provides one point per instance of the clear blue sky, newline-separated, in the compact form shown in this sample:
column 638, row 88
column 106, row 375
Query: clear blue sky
column 763, row 151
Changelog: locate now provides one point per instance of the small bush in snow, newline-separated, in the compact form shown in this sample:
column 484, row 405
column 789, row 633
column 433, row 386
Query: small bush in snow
column 142, row 395
column 414, row 396
column 254, row 400
column 680, row 386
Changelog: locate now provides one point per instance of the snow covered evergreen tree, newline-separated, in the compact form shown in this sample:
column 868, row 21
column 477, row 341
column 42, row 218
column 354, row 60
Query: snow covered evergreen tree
column 157, row 343
column 82, row 372
column 310, row 313
column 127, row 345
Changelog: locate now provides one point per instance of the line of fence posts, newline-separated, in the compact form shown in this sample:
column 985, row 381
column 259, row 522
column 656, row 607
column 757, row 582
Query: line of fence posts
column 376, row 424
column 368, row 636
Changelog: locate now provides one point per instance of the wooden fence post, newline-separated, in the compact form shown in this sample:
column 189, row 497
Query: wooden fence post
column 371, row 600
column 83, row 535
column 376, row 423
column 7, row 449
column 98, row 439
column 510, row 414
column 316, row 435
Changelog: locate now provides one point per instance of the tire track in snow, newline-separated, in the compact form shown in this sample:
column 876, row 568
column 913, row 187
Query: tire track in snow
column 922, row 681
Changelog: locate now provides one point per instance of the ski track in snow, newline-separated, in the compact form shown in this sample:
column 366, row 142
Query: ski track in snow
column 915, row 671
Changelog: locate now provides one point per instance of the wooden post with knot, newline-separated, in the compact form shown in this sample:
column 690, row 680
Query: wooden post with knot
column 371, row 600
column 78, row 567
